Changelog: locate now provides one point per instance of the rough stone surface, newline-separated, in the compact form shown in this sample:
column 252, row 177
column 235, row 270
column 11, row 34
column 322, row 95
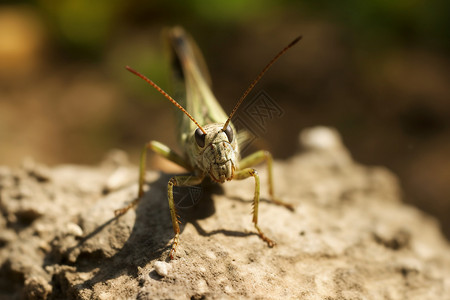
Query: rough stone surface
column 350, row 236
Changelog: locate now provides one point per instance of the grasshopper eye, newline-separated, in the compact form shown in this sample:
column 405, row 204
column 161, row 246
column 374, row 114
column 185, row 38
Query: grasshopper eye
column 229, row 133
column 200, row 138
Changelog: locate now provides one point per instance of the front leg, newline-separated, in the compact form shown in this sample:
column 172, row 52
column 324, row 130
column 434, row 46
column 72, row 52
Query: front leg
column 256, row 158
column 245, row 173
column 180, row 180
column 165, row 152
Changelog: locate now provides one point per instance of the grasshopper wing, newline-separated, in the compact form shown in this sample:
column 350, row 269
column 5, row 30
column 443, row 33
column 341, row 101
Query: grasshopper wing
column 192, row 84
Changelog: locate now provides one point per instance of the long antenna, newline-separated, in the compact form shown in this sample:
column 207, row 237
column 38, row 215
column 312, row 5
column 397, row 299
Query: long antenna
column 165, row 95
column 252, row 85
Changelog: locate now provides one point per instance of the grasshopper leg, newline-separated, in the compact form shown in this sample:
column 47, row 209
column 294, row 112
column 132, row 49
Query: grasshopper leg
column 180, row 180
column 256, row 158
column 162, row 150
column 249, row 172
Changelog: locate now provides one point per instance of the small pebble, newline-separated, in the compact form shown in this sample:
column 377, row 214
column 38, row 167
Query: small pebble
column 162, row 268
column 119, row 178
column 210, row 254
column 74, row 229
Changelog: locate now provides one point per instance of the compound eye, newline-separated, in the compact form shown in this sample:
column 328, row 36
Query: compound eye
column 200, row 137
column 229, row 133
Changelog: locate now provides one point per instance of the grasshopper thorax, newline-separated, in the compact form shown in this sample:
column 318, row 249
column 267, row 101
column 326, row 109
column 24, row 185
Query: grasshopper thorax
column 216, row 151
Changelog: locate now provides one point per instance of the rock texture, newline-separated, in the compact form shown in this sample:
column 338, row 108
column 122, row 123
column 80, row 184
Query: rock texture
column 350, row 236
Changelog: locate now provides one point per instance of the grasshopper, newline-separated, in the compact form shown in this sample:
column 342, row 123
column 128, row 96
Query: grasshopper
column 206, row 133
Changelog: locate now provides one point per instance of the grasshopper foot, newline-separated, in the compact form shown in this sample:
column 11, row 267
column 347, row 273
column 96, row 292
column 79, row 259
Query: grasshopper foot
column 269, row 242
column 122, row 211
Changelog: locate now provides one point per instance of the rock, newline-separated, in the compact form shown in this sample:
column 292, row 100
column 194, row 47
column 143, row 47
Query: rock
column 36, row 288
column 350, row 236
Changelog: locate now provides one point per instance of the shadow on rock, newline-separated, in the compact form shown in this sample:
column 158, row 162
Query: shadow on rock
column 150, row 236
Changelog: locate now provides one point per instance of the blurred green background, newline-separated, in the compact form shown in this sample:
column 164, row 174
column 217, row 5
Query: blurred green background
column 378, row 71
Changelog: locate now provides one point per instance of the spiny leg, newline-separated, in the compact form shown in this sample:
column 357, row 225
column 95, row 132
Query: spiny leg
column 180, row 180
column 256, row 158
column 162, row 150
column 245, row 173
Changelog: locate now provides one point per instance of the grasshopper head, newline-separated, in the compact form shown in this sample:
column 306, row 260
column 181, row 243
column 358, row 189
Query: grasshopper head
column 217, row 151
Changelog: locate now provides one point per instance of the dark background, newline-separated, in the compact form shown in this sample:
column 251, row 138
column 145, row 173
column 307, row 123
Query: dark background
column 378, row 71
